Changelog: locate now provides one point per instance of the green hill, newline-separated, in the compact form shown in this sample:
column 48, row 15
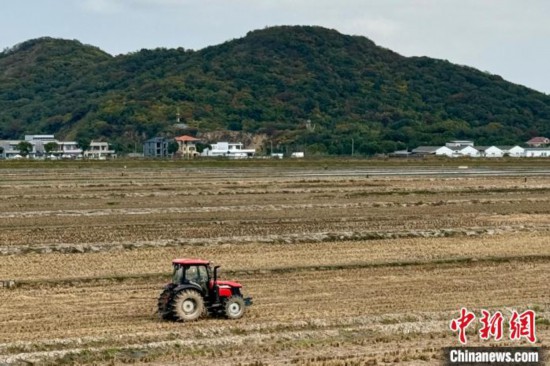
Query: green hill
column 272, row 81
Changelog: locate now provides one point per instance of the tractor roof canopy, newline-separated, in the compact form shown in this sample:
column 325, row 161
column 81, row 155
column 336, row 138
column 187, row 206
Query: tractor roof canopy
column 190, row 261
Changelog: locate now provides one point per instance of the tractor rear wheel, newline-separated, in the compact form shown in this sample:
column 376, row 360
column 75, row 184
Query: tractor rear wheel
column 188, row 306
column 164, row 308
column 234, row 307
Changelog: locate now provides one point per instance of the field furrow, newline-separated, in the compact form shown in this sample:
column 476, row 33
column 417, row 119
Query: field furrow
column 345, row 266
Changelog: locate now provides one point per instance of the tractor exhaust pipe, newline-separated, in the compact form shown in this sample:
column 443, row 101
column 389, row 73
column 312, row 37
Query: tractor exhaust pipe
column 215, row 286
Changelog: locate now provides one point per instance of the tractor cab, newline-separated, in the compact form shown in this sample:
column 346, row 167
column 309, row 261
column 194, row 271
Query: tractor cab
column 192, row 272
column 195, row 289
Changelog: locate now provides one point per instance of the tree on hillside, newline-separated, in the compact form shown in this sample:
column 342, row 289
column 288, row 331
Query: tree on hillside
column 270, row 82
column 83, row 144
column 1, row 150
column 51, row 147
column 173, row 147
column 202, row 146
column 24, row 148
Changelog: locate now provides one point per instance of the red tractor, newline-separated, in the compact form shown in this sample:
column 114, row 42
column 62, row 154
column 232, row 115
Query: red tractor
column 195, row 290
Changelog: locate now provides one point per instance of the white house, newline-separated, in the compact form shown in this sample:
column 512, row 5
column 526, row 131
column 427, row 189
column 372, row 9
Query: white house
column 513, row 151
column 537, row 152
column 466, row 150
column 490, row 151
column 10, row 149
column 433, row 150
column 99, row 150
column 229, row 149
column 444, row 151
column 69, row 149
column 37, row 143
column 65, row 149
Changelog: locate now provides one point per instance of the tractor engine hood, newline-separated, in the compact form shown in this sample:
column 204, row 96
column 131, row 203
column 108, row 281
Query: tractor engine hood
column 229, row 283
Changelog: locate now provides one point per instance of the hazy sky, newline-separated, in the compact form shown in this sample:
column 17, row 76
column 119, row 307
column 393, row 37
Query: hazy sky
column 510, row 38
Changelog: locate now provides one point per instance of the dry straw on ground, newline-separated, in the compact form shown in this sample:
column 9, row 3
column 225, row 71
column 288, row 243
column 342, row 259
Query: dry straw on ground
column 343, row 270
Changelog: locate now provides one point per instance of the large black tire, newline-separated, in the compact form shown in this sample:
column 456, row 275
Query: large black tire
column 187, row 306
column 234, row 307
column 164, row 307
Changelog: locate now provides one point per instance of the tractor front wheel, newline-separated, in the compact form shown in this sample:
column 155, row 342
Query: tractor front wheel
column 234, row 307
column 188, row 306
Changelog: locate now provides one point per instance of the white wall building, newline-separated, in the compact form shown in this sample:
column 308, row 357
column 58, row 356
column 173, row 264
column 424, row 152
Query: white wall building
column 444, row 151
column 433, row 150
column 69, row 149
column 232, row 150
column 490, row 151
column 467, row 150
column 10, row 149
column 100, row 151
column 537, row 152
column 513, row 151
column 65, row 149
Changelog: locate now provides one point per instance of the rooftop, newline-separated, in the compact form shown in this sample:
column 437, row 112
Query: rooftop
column 427, row 149
column 189, row 261
column 538, row 139
column 186, row 138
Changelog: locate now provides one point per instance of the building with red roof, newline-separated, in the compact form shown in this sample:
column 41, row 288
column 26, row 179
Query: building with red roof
column 538, row 141
column 187, row 146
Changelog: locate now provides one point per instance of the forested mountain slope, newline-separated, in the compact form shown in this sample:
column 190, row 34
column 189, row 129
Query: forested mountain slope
column 272, row 81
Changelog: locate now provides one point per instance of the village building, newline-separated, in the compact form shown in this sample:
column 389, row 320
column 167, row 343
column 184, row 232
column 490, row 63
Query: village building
column 490, row 151
column 187, row 146
column 433, row 150
column 9, row 149
column 459, row 143
column 62, row 150
column 538, row 141
column 157, row 147
column 465, row 150
column 99, row 150
column 233, row 150
column 537, row 152
column 513, row 151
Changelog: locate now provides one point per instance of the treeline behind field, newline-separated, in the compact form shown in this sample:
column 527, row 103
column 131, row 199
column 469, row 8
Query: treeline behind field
column 272, row 81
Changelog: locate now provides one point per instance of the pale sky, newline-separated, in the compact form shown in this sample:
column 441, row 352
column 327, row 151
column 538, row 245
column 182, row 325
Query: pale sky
column 510, row 38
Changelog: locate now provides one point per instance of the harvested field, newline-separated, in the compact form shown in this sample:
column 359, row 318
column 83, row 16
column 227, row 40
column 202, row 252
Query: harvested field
column 343, row 268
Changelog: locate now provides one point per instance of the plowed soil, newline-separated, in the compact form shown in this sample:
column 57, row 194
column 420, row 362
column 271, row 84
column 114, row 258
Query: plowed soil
column 344, row 269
